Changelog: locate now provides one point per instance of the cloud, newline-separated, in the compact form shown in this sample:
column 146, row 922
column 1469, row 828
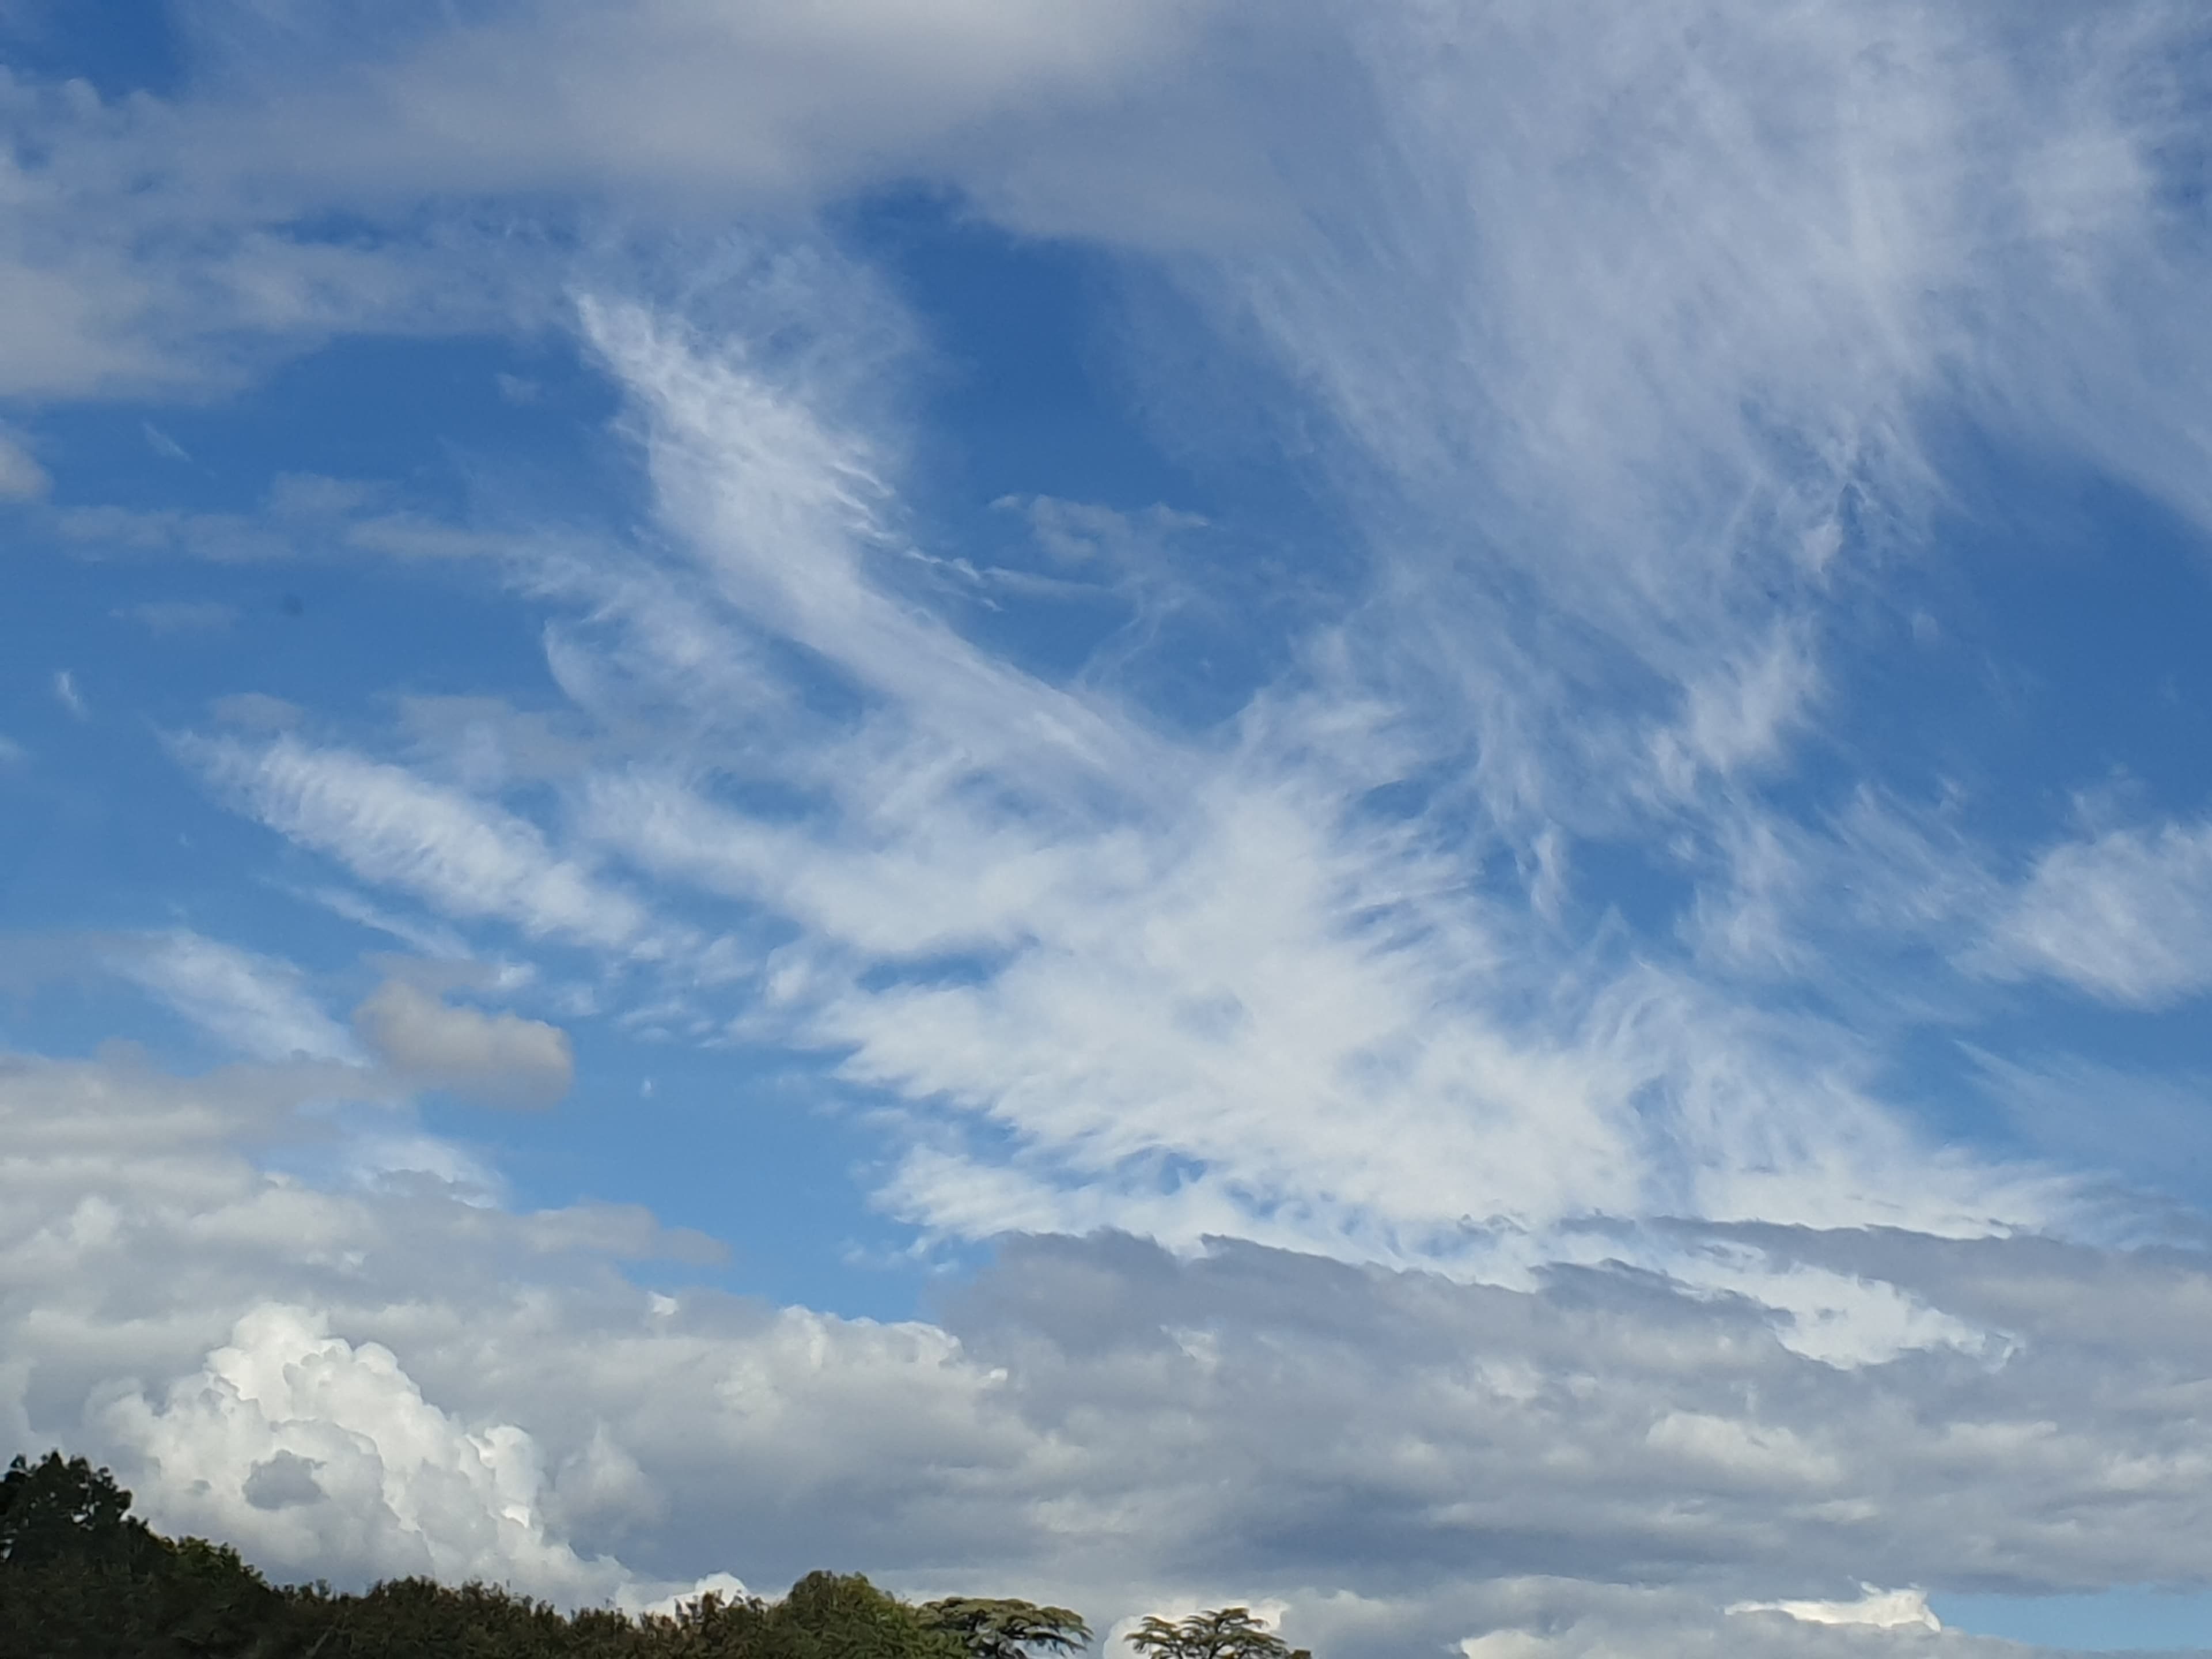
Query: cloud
column 2125, row 916
column 67, row 695
column 387, row 825
column 162, row 444
column 343, row 1459
column 178, row 243
column 137, row 262
column 1202, row 987
column 397, row 1376
column 257, row 1005
column 301, row 516
column 1904, row 1609
column 1618, row 442
column 501, row 1057
column 21, row 477
column 1735, row 717
column 678, row 105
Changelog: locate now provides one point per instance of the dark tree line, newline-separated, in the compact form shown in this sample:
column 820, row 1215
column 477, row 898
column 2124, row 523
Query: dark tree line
column 81, row 1577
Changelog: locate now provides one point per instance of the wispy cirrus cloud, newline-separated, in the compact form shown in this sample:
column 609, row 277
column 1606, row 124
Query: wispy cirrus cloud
column 257, row 1005
column 1193, row 980
column 466, row 856
column 2125, row 916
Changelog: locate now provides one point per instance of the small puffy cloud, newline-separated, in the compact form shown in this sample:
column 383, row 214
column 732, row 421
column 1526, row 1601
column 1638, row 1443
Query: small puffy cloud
column 67, row 695
column 499, row 1058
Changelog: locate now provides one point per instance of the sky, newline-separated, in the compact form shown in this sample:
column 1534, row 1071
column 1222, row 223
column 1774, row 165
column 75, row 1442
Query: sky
column 1394, row 809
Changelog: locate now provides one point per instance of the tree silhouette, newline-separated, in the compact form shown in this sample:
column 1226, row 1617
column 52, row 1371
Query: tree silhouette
column 999, row 1628
column 64, row 1510
column 1224, row 1633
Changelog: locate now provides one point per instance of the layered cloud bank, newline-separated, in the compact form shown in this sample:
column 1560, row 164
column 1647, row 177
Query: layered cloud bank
column 1552, row 1019
column 391, row 1379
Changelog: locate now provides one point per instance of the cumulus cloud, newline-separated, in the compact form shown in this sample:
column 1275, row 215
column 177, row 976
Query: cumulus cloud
column 343, row 1459
column 501, row 1057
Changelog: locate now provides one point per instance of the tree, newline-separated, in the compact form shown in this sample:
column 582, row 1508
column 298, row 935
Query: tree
column 1225, row 1633
column 993, row 1627
column 81, row 1575
column 64, row 1510
column 835, row 1615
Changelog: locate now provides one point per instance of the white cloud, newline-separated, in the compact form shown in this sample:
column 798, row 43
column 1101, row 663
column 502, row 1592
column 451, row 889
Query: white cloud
column 1904, row 1609
column 502, row 1058
column 302, row 1449
column 135, row 261
column 174, row 244
column 2125, row 916
column 260, row 1007
column 1737, row 716
column 1201, row 988
column 67, row 695
column 467, row 857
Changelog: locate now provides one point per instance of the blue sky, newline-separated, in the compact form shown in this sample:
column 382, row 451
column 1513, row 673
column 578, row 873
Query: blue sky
column 1397, row 810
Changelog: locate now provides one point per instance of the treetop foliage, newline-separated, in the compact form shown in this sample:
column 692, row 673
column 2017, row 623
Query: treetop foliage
column 81, row 1578
column 1004, row 1629
column 1229, row 1634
